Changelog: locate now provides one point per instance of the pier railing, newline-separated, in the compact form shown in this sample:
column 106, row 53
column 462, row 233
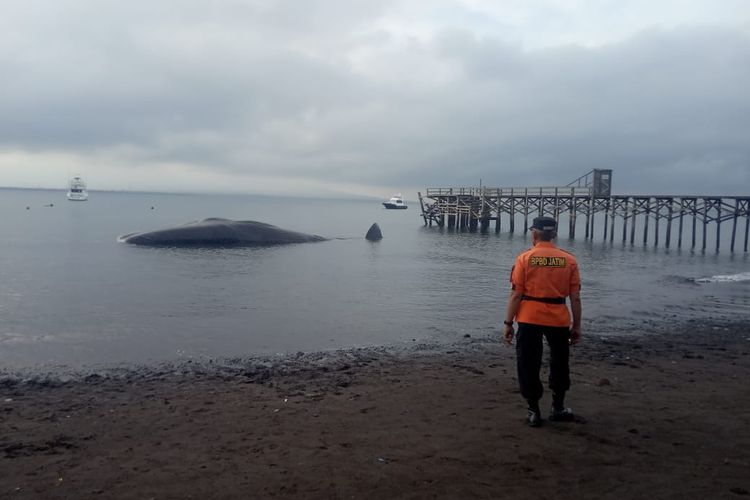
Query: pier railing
column 474, row 208
column 489, row 191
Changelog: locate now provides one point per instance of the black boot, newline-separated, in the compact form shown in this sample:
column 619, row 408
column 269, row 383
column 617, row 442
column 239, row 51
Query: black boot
column 560, row 412
column 534, row 415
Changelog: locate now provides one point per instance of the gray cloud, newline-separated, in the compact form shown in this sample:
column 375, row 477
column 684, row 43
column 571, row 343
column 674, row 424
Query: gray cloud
column 326, row 94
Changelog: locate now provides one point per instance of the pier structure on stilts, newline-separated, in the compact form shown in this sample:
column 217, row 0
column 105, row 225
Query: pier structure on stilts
column 589, row 197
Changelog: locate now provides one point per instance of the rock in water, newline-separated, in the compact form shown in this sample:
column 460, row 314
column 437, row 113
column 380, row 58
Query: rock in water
column 374, row 233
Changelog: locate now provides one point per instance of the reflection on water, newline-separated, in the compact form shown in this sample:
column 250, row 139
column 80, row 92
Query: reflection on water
column 69, row 293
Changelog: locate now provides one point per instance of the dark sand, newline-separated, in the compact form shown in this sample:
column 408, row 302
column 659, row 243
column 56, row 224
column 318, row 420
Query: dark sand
column 663, row 416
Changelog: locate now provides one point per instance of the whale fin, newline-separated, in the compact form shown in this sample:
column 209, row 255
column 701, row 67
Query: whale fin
column 374, row 233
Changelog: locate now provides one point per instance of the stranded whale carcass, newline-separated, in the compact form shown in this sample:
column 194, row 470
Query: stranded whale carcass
column 219, row 232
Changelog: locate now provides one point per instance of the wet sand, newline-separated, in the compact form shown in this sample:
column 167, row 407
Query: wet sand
column 659, row 416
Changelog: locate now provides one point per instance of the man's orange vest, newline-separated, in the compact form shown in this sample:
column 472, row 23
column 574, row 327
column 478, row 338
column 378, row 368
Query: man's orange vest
column 545, row 275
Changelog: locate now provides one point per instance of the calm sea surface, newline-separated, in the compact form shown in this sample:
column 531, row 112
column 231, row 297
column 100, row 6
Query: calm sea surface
column 70, row 294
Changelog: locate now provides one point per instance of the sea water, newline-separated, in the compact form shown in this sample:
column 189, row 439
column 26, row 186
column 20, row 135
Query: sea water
column 71, row 295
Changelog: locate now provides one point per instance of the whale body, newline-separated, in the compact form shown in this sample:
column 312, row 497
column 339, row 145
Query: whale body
column 219, row 232
column 374, row 233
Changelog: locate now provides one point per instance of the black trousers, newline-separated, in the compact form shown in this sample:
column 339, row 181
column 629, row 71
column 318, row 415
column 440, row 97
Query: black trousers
column 529, row 359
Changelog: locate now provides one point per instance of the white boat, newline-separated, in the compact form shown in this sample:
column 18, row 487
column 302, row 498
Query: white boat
column 77, row 189
column 395, row 203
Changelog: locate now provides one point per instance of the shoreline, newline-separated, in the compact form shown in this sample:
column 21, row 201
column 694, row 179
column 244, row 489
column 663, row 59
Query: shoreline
column 659, row 415
column 59, row 374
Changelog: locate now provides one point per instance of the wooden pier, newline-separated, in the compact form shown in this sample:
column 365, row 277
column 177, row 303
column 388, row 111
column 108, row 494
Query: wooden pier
column 474, row 208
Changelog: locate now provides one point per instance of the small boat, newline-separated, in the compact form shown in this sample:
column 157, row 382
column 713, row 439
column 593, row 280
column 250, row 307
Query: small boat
column 77, row 189
column 395, row 203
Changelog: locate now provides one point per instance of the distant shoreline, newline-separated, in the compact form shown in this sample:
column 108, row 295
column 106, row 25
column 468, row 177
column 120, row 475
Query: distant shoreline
column 197, row 193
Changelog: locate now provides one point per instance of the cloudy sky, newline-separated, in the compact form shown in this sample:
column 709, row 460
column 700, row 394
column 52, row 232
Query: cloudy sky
column 354, row 97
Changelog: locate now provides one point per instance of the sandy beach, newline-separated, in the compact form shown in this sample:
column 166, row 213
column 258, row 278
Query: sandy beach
column 665, row 415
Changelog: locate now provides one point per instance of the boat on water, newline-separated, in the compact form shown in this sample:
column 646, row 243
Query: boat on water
column 395, row 203
column 77, row 189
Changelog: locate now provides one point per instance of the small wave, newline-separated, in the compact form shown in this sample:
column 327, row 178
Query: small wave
column 725, row 278
column 680, row 280
column 122, row 238
column 9, row 338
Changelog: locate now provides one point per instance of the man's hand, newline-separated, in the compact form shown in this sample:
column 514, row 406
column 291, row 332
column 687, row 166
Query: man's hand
column 508, row 334
column 575, row 335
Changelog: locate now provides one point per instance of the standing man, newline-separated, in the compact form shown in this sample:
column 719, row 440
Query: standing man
column 543, row 277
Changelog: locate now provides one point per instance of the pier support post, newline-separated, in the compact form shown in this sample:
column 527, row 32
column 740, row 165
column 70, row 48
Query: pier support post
column 573, row 219
column 556, row 212
column 421, row 203
column 718, row 224
column 606, row 218
column 645, row 221
column 682, row 215
column 657, row 219
column 734, row 224
column 695, row 220
column 512, row 211
column 525, row 211
column 573, row 209
column 705, row 223
column 485, row 222
column 540, row 204
column 670, row 211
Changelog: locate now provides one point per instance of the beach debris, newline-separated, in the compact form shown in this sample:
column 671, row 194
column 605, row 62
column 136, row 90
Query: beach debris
column 603, row 381
column 739, row 491
column 470, row 369
column 382, row 460
column 8, row 400
column 692, row 356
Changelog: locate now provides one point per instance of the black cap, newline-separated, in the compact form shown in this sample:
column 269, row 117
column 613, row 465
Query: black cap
column 544, row 224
